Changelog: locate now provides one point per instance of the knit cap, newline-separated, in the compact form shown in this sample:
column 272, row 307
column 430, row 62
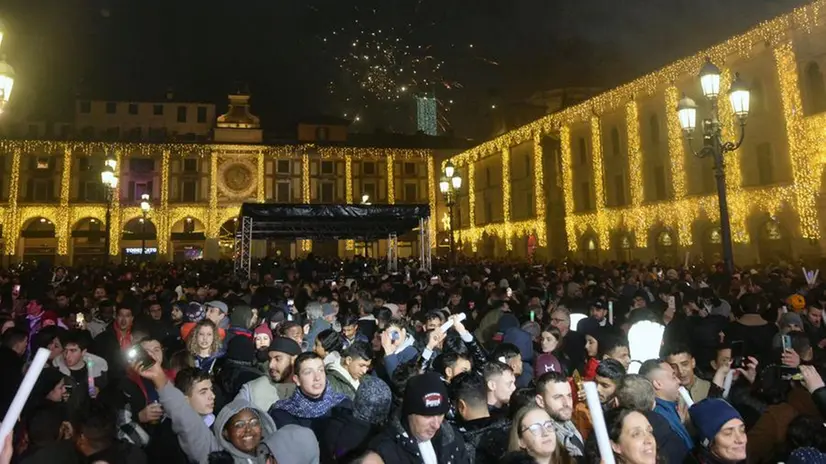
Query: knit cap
column 425, row 395
column 373, row 400
column 241, row 348
column 293, row 444
column 263, row 330
column 709, row 416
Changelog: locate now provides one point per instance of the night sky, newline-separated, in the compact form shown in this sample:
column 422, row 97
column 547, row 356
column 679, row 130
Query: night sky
column 358, row 57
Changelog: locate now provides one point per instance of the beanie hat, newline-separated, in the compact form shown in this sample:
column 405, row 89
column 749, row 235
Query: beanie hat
column 49, row 378
column 790, row 319
column 285, row 345
column 194, row 312
column 328, row 309
column 263, row 329
column 373, row 401
column 292, row 444
column 241, row 348
column 425, row 395
column 709, row 416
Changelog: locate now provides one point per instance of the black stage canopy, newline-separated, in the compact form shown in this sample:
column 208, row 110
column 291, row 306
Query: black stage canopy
column 331, row 221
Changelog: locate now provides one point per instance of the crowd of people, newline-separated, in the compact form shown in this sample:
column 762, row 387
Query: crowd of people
column 329, row 361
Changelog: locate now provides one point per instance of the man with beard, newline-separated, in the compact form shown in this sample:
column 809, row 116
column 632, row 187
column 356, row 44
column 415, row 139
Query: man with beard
column 553, row 394
column 486, row 438
column 608, row 374
column 264, row 391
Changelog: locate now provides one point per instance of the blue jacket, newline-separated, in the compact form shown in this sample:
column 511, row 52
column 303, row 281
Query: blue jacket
column 523, row 341
column 668, row 410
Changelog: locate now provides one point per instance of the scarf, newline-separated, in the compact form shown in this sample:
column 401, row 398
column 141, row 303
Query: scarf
column 124, row 339
column 570, row 437
column 302, row 407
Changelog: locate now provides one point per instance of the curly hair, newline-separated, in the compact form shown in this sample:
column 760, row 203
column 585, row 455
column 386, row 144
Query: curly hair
column 192, row 341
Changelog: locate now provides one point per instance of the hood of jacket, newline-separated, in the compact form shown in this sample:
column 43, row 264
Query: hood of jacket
column 241, row 317
column 408, row 342
column 231, row 409
column 292, row 444
column 99, row 365
column 338, row 371
column 522, row 340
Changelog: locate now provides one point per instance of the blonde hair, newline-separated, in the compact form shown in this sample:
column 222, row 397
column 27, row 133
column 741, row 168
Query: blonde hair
column 560, row 455
column 192, row 341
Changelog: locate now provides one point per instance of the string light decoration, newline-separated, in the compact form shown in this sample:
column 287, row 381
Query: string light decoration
column 539, row 191
column 115, row 223
column 803, row 136
column 803, row 141
column 213, row 189
column 11, row 229
column 391, row 180
column 506, row 197
column 62, row 226
column 636, row 222
column 471, row 195
column 161, row 223
column 306, row 245
column 431, row 199
column 350, row 244
column 739, row 211
column 261, row 189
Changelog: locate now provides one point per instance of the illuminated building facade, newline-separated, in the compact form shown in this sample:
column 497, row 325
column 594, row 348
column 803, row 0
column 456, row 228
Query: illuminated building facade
column 612, row 178
column 52, row 202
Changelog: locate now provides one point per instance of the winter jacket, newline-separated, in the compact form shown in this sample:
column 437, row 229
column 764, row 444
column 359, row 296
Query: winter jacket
column 486, row 439
column 669, row 444
column 99, row 365
column 263, row 392
column 234, row 374
column 769, row 433
column 404, row 353
column 523, row 341
column 197, row 440
column 119, row 453
column 396, row 445
column 344, row 436
column 59, row 452
column 341, row 381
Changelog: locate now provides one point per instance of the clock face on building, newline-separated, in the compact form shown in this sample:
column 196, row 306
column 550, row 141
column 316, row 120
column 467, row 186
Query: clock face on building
column 237, row 179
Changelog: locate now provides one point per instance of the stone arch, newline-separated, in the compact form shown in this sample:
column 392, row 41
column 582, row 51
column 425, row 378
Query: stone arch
column 39, row 239
column 773, row 237
column 88, row 239
column 622, row 241
column 664, row 241
column 589, row 244
column 187, row 238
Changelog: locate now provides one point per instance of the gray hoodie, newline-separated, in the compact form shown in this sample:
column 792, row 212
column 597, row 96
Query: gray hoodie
column 293, row 444
column 197, row 440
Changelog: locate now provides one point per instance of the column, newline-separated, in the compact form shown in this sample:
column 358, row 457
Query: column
column 306, row 245
column 676, row 155
column 349, row 245
column 163, row 212
column 115, row 222
column 63, row 227
column 391, row 179
column 11, row 225
column 568, row 187
column 261, row 190
column 506, row 197
column 598, row 176
column 540, row 226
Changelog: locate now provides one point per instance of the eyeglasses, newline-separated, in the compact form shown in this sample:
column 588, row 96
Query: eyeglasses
column 247, row 424
column 539, row 427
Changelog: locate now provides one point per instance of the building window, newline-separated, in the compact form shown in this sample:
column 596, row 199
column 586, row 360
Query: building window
column 202, row 114
column 90, row 191
column 615, row 142
column 368, row 168
column 40, row 190
column 756, row 102
column 189, row 226
column 327, row 167
column 368, row 189
column 583, row 152
column 282, row 166
column 181, row 114
column 322, row 133
column 282, row 192
column 654, row 127
column 765, row 165
column 327, row 192
column 157, row 110
column 83, row 164
column 42, row 164
column 619, row 186
column 528, row 166
column 111, row 107
column 816, row 87
column 189, row 191
column 585, row 196
column 190, row 165
column 133, row 108
column 488, row 211
column 138, row 189
column 659, row 183
column 411, row 193
column 487, row 177
column 409, row 169
column 85, row 107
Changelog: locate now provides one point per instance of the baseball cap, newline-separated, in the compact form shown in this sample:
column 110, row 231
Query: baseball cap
column 218, row 304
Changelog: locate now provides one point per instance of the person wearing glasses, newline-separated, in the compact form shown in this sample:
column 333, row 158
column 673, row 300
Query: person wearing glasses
column 533, row 433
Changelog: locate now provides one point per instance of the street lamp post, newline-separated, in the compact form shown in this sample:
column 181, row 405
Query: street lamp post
column 109, row 179
column 145, row 208
column 449, row 185
column 713, row 144
column 6, row 76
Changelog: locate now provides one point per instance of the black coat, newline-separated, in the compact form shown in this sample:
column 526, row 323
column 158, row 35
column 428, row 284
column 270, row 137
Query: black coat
column 486, row 440
column 396, row 445
column 344, row 437
column 11, row 370
column 107, row 346
column 669, row 445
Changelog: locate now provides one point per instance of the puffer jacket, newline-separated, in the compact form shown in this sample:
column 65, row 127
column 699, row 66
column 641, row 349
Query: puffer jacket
column 486, row 440
column 396, row 445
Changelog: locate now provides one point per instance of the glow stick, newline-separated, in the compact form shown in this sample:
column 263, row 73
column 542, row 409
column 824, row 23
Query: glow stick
column 22, row 395
column 686, row 397
column 598, row 420
column 611, row 312
column 91, row 379
column 575, row 318
column 449, row 323
column 727, row 383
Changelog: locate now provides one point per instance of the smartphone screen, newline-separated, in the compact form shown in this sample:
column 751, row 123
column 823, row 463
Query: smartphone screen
column 787, row 342
column 737, row 354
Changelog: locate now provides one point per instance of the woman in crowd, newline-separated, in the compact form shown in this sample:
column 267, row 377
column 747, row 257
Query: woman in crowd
column 533, row 432
column 328, row 346
column 547, row 361
column 204, row 345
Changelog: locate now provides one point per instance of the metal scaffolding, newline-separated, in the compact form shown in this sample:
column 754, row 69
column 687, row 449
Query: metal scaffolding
column 243, row 248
